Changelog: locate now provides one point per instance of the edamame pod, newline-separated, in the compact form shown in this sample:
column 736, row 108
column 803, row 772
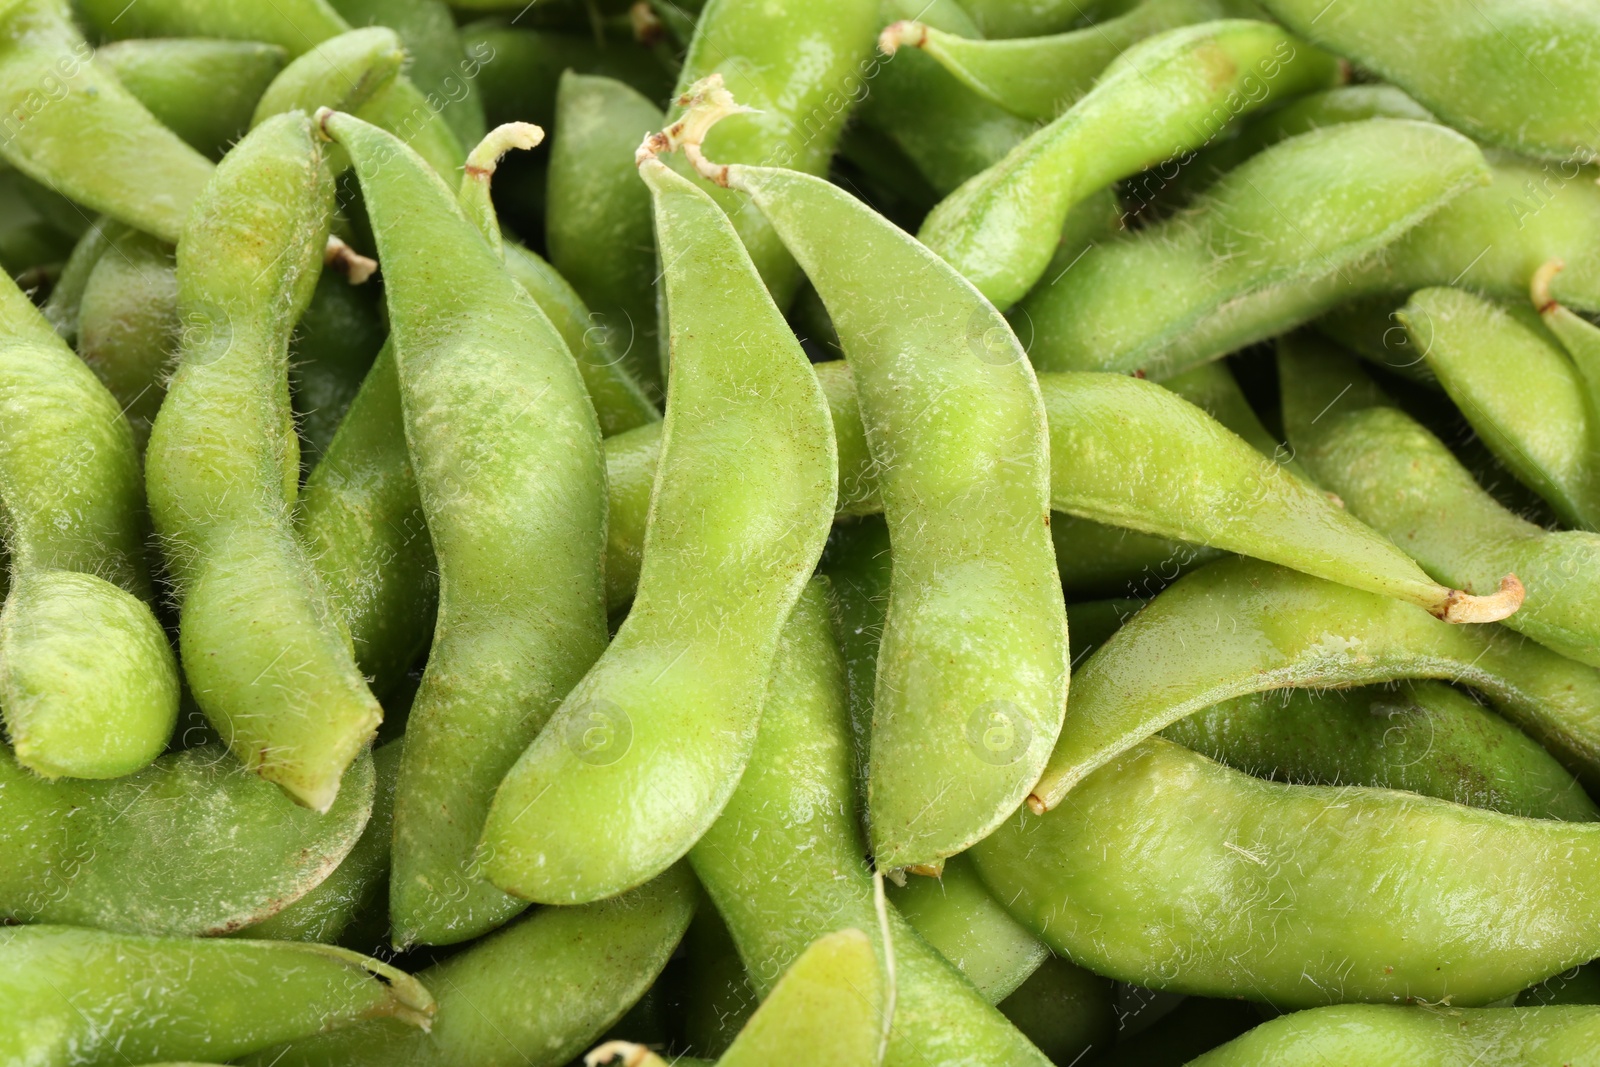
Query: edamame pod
column 1167, row 95
column 802, row 66
column 972, row 672
column 1311, row 893
column 830, row 1002
column 192, row 845
column 73, row 996
column 743, row 500
column 1423, row 737
column 1040, row 77
column 534, row 994
column 87, row 680
column 438, row 64
column 1535, row 67
column 1242, row 626
column 127, row 325
column 202, row 90
column 1387, row 1035
column 1518, row 389
column 795, row 812
column 266, row 656
column 1185, row 291
column 70, row 125
column 343, row 72
column 1402, row 480
column 508, row 464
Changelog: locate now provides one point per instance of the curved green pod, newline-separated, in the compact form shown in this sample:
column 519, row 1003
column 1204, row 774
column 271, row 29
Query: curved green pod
column 1386, row 1035
column 1040, row 77
column 1157, row 300
column 439, row 66
column 1310, row 893
column 1423, row 738
column 743, row 499
column 972, row 673
column 509, row 468
column 802, row 67
column 201, row 89
column 267, row 658
column 1518, row 389
column 1400, row 479
column 343, row 72
column 534, row 994
column 127, row 325
column 85, row 997
column 784, row 863
column 1534, row 67
column 70, row 125
column 88, row 685
column 1169, row 94
column 948, row 131
column 191, row 845
column 1242, row 626
column 597, row 216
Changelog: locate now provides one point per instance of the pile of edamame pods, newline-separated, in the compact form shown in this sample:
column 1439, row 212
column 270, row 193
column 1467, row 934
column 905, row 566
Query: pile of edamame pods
column 558, row 533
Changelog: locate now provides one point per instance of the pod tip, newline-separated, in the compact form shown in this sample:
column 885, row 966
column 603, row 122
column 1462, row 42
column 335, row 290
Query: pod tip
column 356, row 267
column 1539, row 287
column 900, row 34
column 1462, row 607
column 626, row 1053
column 706, row 103
column 1036, row 804
column 483, row 160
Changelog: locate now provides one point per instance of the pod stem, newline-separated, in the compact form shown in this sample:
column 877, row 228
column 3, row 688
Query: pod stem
column 1461, row 606
column 706, row 103
column 347, row 261
column 898, row 35
column 1539, row 287
column 483, row 160
column 626, row 1053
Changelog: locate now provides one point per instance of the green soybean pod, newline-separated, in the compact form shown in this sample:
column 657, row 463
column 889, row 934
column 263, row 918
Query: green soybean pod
column 1395, row 475
column 1040, row 77
column 802, row 66
column 202, row 90
column 1180, row 293
column 743, row 499
column 972, row 673
column 1269, row 628
column 597, row 220
column 1171, row 93
column 345, row 71
column 508, row 464
column 534, row 994
column 831, row 1002
column 1310, row 892
column 1534, row 66
column 88, row 684
column 77, row 996
column 438, row 61
column 795, row 812
column 191, row 845
column 1518, row 389
column 267, row 658
column 1423, row 737
column 127, row 325
column 72, row 126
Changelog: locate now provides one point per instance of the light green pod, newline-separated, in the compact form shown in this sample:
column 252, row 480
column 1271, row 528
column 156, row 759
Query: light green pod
column 743, row 499
column 831, row 1002
column 802, row 67
column 127, row 325
column 534, row 994
column 343, row 72
column 972, row 674
column 1040, row 77
column 266, row 656
column 597, row 217
column 508, row 464
column 1423, row 738
column 1402, row 480
column 202, row 90
column 784, row 864
column 1386, row 1035
column 1310, row 893
column 71, row 996
column 956, row 915
column 1242, row 626
column 1535, row 67
column 70, row 125
column 1518, row 389
column 438, row 66
column 192, row 845
column 1167, row 95
column 946, row 130
column 1177, row 294
column 88, row 684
